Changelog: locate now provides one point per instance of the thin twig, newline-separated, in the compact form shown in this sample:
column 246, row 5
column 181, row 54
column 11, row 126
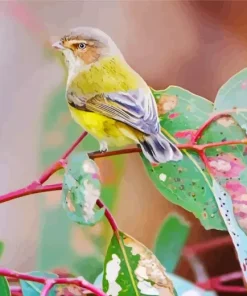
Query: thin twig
column 15, row 291
column 48, row 286
column 109, row 217
column 216, row 283
column 27, row 191
column 49, row 283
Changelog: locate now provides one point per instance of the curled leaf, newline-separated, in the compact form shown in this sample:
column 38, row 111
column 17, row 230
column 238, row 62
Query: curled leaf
column 81, row 189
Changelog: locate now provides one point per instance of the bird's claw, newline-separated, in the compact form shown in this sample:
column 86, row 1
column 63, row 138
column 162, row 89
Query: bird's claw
column 103, row 147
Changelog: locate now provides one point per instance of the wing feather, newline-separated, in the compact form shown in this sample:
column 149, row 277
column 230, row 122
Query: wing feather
column 135, row 108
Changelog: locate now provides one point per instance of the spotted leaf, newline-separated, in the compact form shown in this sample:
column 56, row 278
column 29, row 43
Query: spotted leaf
column 187, row 182
column 182, row 286
column 239, row 238
column 81, row 189
column 228, row 164
column 131, row 269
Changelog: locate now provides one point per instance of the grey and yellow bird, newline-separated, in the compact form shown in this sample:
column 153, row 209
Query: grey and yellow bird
column 107, row 98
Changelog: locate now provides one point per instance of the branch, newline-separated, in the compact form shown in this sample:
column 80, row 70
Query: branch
column 15, row 291
column 49, row 283
column 216, row 283
column 37, row 186
column 59, row 164
column 29, row 190
column 188, row 146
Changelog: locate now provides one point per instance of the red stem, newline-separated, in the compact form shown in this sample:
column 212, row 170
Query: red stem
column 28, row 190
column 188, row 146
column 37, row 187
column 15, row 290
column 216, row 283
column 109, row 217
column 49, row 283
column 61, row 162
column 206, row 246
column 206, row 124
column 48, row 286
column 76, row 143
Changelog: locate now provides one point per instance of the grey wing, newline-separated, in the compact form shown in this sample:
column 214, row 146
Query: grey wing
column 136, row 108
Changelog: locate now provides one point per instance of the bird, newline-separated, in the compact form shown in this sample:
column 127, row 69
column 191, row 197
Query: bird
column 109, row 99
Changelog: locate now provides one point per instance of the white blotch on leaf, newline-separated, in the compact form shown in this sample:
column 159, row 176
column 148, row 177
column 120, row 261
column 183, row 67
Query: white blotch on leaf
column 69, row 203
column 226, row 121
column 220, row 165
column 167, row 103
column 162, row 177
column 147, row 289
column 89, row 167
column 91, row 194
column 112, row 272
column 149, row 268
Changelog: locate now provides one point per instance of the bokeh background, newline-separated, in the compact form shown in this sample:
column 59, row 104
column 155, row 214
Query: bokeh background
column 197, row 45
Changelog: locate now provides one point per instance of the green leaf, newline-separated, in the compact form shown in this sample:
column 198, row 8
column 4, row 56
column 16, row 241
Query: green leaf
column 239, row 238
column 232, row 96
column 59, row 131
column 1, row 248
column 186, row 288
column 34, row 289
column 4, row 287
column 89, row 267
column 186, row 183
column 170, row 241
column 132, row 269
column 81, row 189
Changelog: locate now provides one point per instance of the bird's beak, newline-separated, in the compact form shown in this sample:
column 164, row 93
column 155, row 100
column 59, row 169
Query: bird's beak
column 58, row 45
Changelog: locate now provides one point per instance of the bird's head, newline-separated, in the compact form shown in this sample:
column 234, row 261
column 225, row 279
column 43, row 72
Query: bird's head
column 84, row 46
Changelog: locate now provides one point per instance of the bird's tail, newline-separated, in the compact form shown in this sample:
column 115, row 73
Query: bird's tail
column 158, row 149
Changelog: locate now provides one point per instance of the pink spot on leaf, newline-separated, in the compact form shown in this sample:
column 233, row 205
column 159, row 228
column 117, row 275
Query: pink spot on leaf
column 235, row 188
column 238, row 193
column 244, row 84
column 186, row 134
column 226, row 165
column 173, row 115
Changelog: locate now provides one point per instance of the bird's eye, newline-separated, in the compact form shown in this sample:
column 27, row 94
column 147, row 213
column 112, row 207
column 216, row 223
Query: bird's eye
column 82, row 45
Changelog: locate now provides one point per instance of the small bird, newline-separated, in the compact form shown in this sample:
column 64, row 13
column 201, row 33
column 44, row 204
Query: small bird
column 107, row 98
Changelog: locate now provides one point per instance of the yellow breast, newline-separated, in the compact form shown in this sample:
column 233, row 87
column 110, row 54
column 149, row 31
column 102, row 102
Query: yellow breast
column 108, row 75
column 103, row 128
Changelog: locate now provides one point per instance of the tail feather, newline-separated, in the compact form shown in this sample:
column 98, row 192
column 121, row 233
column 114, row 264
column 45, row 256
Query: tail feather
column 158, row 149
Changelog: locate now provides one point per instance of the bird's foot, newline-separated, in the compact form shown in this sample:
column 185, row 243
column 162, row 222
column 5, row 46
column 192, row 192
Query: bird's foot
column 103, row 147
